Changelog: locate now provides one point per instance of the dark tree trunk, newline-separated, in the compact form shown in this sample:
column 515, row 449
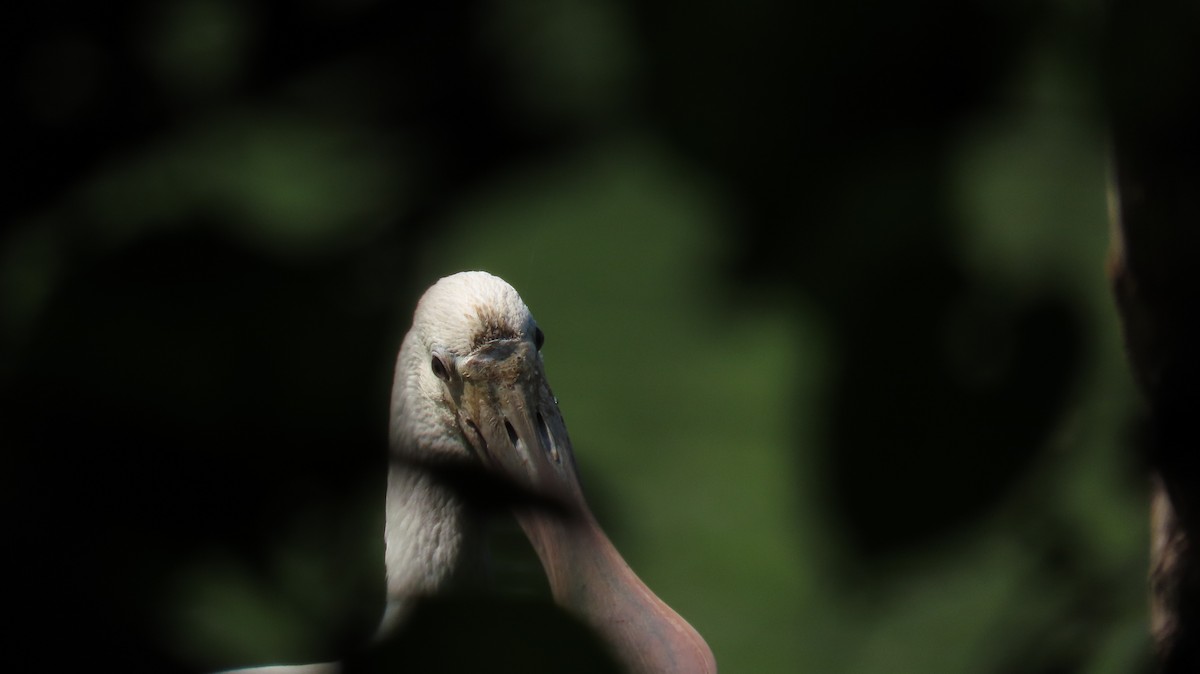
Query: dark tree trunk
column 1153, row 74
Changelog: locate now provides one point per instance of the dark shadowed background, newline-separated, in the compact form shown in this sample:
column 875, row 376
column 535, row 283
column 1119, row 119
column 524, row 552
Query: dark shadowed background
column 822, row 285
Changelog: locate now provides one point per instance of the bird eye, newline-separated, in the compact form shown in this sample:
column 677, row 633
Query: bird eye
column 539, row 338
column 439, row 368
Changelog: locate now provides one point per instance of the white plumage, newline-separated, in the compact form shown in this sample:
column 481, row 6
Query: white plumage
column 469, row 388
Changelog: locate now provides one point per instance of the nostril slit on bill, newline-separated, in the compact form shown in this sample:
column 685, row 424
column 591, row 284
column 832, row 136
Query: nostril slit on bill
column 512, row 433
column 547, row 441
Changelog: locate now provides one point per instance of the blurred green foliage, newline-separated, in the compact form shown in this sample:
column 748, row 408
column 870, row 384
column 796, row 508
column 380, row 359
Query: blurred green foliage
column 690, row 250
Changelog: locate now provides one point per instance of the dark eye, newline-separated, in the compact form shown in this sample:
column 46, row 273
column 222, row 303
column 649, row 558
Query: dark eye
column 439, row 368
column 539, row 338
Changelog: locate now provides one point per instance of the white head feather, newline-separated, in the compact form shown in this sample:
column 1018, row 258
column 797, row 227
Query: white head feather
column 425, row 522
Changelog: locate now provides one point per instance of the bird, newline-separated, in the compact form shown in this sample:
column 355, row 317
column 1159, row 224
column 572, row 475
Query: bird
column 470, row 390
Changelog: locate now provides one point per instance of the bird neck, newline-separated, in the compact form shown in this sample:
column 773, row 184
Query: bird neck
column 425, row 522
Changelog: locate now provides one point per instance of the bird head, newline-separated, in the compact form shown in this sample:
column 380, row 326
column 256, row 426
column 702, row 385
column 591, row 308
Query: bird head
column 477, row 370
